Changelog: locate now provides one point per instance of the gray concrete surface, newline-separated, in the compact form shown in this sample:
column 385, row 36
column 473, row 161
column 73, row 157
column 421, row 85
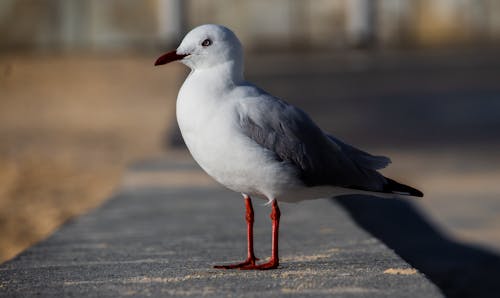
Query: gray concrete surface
column 153, row 241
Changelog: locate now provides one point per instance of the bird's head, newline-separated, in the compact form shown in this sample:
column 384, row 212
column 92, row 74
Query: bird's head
column 206, row 46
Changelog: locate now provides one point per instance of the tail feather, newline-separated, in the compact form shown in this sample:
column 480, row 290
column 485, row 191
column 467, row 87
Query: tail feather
column 397, row 188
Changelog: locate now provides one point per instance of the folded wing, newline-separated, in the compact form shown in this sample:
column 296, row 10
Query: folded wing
column 295, row 138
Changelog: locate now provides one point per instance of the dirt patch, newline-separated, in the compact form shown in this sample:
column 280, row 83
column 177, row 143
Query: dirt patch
column 401, row 271
column 68, row 127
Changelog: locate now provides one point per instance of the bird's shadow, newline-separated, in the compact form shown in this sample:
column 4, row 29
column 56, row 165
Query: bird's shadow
column 458, row 269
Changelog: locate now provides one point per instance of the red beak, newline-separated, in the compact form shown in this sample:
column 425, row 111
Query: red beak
column 169, row 57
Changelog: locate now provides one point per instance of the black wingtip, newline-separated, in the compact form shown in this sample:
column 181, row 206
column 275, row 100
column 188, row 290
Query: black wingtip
column 397, row 188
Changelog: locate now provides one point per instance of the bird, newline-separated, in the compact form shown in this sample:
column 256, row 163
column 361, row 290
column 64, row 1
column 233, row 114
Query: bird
column 259, row 145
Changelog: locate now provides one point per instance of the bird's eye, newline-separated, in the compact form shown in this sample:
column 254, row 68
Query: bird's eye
column 206, row 42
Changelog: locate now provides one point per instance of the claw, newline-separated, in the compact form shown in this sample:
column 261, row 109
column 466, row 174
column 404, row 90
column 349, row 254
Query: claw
column 248, row 262
column 272, row 264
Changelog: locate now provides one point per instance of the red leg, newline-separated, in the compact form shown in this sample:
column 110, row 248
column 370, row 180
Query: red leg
column 250, row 261
column 274, row 261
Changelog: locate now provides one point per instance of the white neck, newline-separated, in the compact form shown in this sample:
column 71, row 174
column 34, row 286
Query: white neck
column 221, row 76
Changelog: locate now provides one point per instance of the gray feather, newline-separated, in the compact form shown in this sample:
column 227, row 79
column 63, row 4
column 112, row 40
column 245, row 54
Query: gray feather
column 294, row 138
column 362, row 158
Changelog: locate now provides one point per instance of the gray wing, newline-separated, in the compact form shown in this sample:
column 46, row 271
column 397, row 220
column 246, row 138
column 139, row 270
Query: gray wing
column 295, row 138
column 364, row 159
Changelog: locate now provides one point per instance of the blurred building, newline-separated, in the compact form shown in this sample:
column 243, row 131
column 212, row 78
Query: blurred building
column 284, row 24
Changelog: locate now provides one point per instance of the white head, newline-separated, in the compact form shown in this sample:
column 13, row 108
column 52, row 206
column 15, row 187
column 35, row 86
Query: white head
column 205, row 47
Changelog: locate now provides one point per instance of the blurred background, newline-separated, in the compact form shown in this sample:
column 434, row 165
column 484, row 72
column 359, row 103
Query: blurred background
column 417, row 80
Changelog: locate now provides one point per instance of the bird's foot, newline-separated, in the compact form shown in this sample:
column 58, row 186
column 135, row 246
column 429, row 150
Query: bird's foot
column 249, row 262
column 272, row 264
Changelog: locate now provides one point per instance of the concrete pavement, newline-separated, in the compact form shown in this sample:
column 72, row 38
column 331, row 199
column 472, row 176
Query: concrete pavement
column 151, row 240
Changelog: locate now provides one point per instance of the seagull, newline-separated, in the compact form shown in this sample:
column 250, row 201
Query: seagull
column 259, row 145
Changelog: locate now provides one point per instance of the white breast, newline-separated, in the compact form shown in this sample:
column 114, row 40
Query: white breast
column 209, row 125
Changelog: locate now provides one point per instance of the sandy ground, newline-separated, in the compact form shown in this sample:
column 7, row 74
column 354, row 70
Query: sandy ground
column 68, row 127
